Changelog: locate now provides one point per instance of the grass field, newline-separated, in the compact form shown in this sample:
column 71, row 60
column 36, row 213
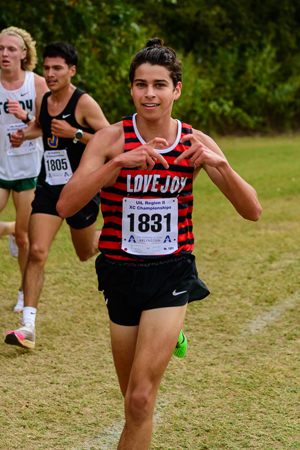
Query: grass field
column 238, row 386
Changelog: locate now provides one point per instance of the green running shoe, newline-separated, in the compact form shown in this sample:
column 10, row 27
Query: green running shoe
column 181, row 346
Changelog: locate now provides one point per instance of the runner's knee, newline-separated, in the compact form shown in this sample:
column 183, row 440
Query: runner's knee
column 83, row 255
column 37, row 254
column 138, row 405
column 22, row 240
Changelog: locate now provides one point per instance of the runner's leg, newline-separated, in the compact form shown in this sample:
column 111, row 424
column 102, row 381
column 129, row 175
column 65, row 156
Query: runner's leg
column 22, row 201
column 4, row 194
column 123, row 340
column 42, row 231
column 6, row 228
column 156, row 339
column 85, row 241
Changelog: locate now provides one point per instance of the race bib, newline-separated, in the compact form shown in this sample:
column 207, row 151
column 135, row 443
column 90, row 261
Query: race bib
column 25, row 148
column 150, row 226
column 57, row 166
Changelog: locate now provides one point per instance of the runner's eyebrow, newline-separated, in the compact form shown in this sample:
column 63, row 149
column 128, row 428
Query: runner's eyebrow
column 57, row 66
column 155, row 81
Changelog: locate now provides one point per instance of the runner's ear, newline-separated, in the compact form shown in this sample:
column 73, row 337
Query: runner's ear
column 24, row 54
column 72, row 71
column 177, row 91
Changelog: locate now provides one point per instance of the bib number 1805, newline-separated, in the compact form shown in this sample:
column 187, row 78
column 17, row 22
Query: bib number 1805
column 56, row 164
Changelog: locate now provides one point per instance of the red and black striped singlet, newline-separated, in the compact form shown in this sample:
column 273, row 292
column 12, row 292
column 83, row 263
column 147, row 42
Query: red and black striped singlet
column 177, row 181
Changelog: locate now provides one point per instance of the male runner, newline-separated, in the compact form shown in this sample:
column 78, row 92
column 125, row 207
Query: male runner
column 145, row 166
column 66, row 118
column 19, row 167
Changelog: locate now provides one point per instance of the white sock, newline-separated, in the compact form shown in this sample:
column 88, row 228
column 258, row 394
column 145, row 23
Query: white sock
column 20, row 301
column 29, row 315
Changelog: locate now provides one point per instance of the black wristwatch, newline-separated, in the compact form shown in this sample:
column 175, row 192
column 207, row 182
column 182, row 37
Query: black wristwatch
column 28, row 118
column 78, row 135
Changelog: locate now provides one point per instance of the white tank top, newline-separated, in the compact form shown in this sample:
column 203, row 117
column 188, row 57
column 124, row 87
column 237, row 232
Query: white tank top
column 23, row 162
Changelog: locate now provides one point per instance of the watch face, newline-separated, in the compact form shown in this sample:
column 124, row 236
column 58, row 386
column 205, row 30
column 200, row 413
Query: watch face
column 79, row 134
column 29, row 117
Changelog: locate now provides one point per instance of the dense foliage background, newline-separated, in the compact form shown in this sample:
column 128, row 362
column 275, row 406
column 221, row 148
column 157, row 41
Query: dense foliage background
column 241, row 58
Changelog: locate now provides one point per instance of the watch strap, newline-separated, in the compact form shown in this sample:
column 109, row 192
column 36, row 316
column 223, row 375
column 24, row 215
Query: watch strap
column 27, row 119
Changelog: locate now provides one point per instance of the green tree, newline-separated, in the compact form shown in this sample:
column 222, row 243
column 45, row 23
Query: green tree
column 241, row 59
column 105, row 33
column 242, row 71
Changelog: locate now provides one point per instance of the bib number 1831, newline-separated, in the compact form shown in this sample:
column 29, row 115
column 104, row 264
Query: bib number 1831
column 148, row 222
column 150, row 226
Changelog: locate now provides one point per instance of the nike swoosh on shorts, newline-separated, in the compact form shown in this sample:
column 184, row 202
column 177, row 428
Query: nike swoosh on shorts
column 178, row 293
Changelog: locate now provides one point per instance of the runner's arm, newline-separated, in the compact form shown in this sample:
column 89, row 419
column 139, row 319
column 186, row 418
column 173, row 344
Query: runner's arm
column 92, row 173
column 32, row 131
column 205, row 153
column 100, row 165
column 15, row 108
column 90, row 113
column 40, row 85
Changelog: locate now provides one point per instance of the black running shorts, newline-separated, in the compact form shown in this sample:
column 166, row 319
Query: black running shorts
column 45, row 201
column 131, row 287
